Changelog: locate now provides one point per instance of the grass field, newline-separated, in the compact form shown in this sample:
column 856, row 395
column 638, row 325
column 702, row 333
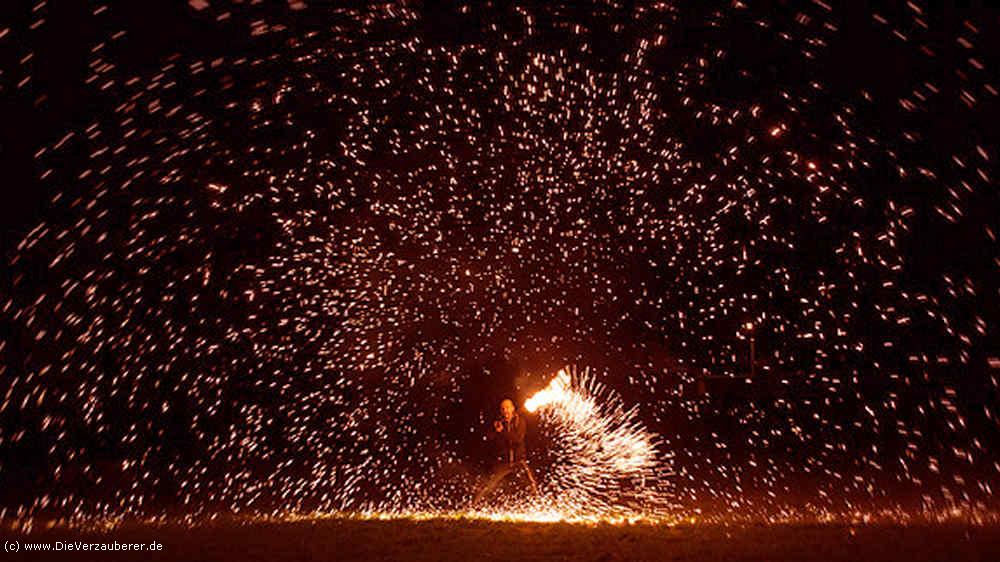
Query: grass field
column 468, row 541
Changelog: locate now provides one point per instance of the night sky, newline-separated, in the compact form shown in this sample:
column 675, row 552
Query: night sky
column 276, row 257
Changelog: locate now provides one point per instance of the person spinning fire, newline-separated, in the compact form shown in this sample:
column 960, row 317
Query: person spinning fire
column 508, row 436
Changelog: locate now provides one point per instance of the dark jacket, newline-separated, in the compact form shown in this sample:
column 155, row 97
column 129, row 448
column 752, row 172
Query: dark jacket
column 509, row 442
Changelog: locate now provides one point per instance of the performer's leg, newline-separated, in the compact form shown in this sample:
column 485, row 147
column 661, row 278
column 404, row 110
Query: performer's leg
column 531, row 477
column 499, row 473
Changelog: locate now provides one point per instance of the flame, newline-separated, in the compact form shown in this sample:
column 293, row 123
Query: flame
column 556, row 391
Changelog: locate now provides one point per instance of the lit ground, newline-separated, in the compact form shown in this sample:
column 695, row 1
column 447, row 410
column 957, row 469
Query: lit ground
column 468, row 541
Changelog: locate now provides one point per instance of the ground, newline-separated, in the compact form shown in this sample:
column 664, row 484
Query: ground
column 468, row 541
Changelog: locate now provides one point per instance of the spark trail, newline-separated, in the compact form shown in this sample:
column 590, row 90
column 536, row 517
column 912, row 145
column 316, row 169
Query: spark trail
column 607, row 463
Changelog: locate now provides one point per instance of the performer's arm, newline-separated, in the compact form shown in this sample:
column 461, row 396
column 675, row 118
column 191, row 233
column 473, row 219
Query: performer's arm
column 517, row 432
column 492, row 433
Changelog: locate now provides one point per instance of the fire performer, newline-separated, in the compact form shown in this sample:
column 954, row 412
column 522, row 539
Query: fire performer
column 508, row 436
